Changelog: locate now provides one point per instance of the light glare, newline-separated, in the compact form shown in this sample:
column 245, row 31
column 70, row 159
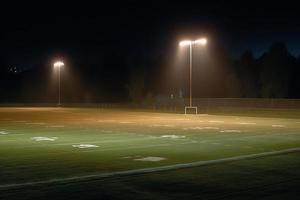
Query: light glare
column 58, row 64
column 201, row 41
column 185, row 42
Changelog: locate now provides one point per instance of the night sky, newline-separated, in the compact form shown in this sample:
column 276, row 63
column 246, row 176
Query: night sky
column 33, row 33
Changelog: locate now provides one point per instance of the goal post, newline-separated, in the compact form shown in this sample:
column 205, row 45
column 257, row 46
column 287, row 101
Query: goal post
column 187, row 108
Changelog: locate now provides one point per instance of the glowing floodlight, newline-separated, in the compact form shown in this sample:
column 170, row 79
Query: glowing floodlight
column 58, row 64
column 202, row 41
column 185, row 43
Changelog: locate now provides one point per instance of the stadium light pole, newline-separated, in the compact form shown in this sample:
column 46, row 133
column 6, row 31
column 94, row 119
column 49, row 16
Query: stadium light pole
column 191, row 43
column 58, row 65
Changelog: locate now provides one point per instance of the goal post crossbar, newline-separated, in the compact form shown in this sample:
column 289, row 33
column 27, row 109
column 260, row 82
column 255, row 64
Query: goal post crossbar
column 190, row 108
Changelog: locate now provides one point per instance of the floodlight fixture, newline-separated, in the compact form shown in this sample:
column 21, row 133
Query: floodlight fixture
column 59, row 65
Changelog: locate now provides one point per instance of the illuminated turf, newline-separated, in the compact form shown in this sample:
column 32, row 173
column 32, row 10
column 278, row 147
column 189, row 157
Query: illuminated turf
column 40, row 144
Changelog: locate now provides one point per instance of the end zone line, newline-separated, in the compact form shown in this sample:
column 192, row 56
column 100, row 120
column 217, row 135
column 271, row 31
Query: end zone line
column 148, row 170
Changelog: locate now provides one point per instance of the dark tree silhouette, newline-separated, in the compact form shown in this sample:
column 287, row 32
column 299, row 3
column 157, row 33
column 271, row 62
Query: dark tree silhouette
column 248, row 73
column 276, row 72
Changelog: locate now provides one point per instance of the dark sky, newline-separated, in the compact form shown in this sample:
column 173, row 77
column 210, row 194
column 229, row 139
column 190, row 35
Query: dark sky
column 86, row 31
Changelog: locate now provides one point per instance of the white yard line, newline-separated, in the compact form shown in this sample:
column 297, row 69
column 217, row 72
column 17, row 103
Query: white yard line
column 266, row 135
column 215, row 121
column 247, row 123
column 147, row 170
column 278, row 125
column 13, row 134
column 136, row 147
column 108, row 141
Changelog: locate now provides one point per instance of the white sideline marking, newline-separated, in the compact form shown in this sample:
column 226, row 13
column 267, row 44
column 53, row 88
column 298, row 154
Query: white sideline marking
column 56, row 126
column 84, row 146
column 127, row 157
column 162, row 125
column 151, row 159
column 201, row 128
column 44, row 138
column 278, row 125
column 173, row 136
column 3, row 133
column 193, row 128
column 134, row 147
column 107, row 120
column 181, row 119
column 35, row 123
column 247, row 123
column 216, row 121
column 148, row 170
column 212, row 128
column 231, row 131
column 125, row 122
column 138, row 147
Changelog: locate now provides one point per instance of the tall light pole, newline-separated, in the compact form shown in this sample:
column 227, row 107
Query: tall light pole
column 58, row 65
column 191, row 43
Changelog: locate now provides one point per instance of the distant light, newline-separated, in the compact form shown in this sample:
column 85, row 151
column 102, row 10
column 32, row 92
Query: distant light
column 58, row 64
column 202, row 41
column 185, row 43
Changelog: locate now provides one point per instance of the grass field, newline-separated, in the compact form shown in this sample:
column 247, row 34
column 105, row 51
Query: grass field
column 63, row 153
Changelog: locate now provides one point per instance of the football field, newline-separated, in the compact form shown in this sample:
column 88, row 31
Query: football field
column 113, row 153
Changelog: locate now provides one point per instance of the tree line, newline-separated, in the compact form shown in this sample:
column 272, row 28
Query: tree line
column 273, row 75
column 140, row 79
